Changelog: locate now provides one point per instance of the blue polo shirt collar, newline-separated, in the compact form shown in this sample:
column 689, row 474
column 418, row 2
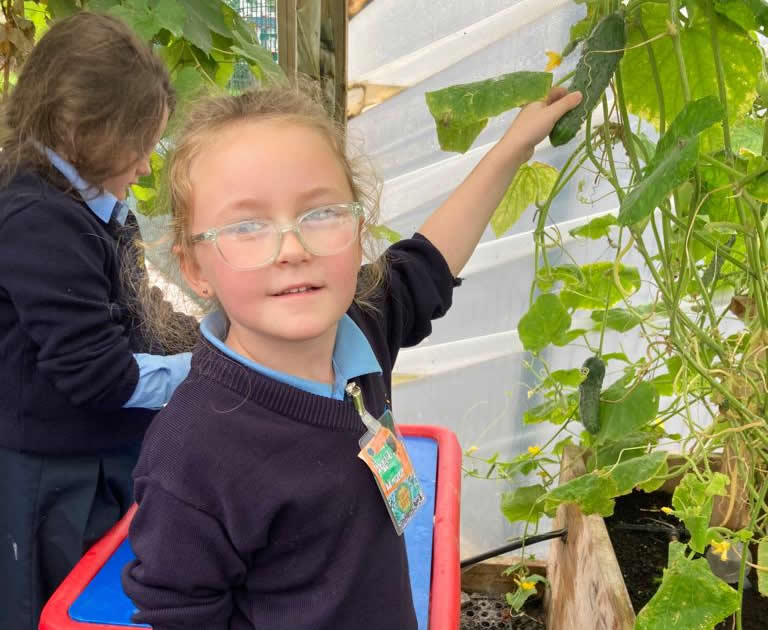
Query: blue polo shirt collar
column 103, row 205
column 352, row 356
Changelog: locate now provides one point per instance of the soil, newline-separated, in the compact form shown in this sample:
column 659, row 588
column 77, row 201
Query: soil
column 491, row 612
column 642, row 555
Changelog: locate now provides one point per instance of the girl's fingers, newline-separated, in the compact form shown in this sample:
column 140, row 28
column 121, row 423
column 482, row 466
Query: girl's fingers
column 555, row 94
column 566, row 102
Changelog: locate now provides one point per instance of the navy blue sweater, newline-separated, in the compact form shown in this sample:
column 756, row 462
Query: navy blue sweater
column 254, row 509
column 67, row 336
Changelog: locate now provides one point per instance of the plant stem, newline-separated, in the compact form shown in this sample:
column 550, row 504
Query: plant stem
column 674, row 12
column 655, row 74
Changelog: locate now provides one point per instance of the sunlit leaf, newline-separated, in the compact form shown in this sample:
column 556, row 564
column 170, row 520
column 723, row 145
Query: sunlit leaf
column 522, row 503
column 645, row 470
column 532, row 183
column 525, row 590
column 593, row 493
column 693, row 501
column 596, row 228
column 762, row 561
column 664, row 177
column 546, row 320
column 747, row 134
column 694, row 118
column 616, row 319
column 462, row 111
column 597, row 288
column 741, row 55
column 554, row 411
column 626, row 409
column 690, row 597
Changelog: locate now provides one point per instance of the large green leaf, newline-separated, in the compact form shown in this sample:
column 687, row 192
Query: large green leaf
column 645, row 471
column 248, row 48
column 626, row 409
column 554, row 411
column 693, row 501
column 596, row 228
column 693, row 119
column 740, row 53
column 593, row 493
column 762, row 560
column 616, row 319
column 596, row 287
column 747, row 134
column 462, row 111
column 690, row 597
column 522, row 504
column 676, row 156
column 210, row 13
column 666, row 175
column 532, row 184
column 138, row 15
column 749, row 14
column 546, row 321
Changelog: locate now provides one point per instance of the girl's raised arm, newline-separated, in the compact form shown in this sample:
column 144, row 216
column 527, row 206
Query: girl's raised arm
column 456, row 226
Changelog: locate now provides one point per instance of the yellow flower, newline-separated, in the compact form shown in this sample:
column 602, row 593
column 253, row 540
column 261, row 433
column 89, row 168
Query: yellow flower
column 721, row 548
column 534, row 450
column 666, row 510
column 472, row 449
column 555, row 59
column 526, row 585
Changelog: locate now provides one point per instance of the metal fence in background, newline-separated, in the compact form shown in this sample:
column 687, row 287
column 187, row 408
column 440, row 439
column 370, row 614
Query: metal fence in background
column 263, row 15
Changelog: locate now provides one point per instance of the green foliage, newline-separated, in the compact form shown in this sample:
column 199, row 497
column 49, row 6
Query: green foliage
column 690, row 596
column 693, row 501
column 546, row 321
column 532, row 184
column 693, row 220
column 522, row 504
column 461, row 112
column 598, row 227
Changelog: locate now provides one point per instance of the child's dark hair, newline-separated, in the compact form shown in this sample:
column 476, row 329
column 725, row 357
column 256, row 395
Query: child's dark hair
column 92, row 91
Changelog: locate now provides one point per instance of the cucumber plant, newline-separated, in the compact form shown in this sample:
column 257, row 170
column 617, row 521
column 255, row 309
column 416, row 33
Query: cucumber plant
column 682, row 146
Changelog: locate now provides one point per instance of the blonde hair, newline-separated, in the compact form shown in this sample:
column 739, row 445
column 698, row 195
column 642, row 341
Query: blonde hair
column 92, row 91
column 299, row 103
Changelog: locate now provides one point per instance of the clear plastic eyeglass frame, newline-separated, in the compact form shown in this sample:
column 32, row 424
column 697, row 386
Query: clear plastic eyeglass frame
column 355, row 208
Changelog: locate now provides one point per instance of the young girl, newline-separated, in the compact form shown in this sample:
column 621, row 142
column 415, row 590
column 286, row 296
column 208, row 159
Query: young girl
column 254, row 508
column 78, row 380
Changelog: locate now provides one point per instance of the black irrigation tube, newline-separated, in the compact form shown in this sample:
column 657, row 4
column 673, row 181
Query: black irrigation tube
column 517, row 543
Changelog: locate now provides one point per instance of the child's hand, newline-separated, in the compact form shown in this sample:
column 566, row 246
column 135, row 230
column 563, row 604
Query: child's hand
column 535, row 121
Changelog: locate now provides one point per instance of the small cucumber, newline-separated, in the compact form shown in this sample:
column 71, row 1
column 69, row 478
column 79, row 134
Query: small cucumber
column 589, row 394
column 599, row 58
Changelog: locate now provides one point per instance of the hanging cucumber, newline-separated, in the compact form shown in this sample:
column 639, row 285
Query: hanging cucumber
column 589, row 394
column 599, row 58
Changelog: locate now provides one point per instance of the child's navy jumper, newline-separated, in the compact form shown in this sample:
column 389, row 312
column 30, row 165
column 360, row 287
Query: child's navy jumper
column 254, row 509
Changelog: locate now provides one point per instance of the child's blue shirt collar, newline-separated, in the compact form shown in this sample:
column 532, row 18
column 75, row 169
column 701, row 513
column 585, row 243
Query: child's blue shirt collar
column 352, row 356
column 103, row 205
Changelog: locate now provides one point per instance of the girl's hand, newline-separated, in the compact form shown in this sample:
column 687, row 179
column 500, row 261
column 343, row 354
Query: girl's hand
column 535, row 121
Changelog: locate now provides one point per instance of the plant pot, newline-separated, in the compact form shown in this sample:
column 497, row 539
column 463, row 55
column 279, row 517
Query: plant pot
column 587, row 589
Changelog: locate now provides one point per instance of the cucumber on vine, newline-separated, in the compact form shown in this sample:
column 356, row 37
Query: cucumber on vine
column 589, row 394
column 599, row 59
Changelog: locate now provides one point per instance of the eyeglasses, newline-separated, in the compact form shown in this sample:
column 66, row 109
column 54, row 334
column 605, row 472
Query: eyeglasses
column 256, row 243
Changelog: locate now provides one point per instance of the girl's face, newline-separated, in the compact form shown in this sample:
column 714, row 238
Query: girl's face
column 274, row 171
column 118, row 184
